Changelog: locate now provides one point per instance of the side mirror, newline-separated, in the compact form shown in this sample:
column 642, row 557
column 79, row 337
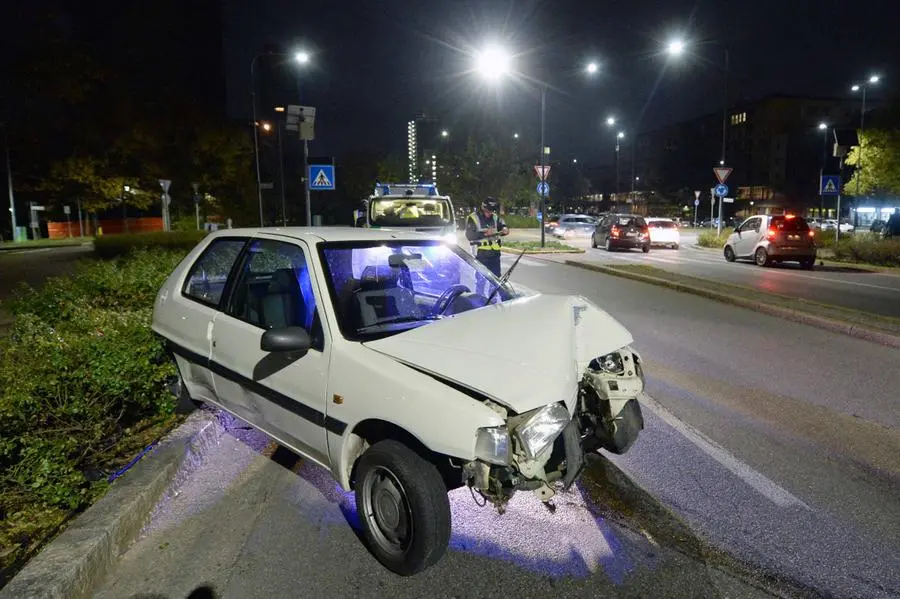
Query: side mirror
column 286, row 339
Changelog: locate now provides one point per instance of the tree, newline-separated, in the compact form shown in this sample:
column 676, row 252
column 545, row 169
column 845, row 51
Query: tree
column 486, row 167
column 880, row 171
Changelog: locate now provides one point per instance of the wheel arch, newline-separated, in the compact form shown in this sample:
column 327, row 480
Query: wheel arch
column 372, row 430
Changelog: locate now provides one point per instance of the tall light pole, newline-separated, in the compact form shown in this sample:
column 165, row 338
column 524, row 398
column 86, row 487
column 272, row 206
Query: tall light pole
column 823, row 127
column 300, row 58
column 864, row 87
column 9, row 182
column 676, row 48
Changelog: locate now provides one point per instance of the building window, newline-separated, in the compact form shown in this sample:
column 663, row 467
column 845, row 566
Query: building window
column 739, row 118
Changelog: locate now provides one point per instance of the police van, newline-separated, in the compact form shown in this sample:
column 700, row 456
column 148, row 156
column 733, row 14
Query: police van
column 417, row 206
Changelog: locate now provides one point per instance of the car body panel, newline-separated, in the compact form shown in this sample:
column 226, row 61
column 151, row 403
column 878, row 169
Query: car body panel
column 787, row 244
column 663, row 235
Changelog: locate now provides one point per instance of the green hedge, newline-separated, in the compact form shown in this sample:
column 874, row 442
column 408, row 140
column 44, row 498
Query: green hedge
column 515, row 221
column 709, row 239
column 80, row 366
column 110, row 246
column 868, row 249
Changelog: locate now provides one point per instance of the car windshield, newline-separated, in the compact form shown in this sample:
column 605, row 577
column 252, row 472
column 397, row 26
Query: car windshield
column 630, row 221
column 382, row 288
column 790, row 224
column 410, row 212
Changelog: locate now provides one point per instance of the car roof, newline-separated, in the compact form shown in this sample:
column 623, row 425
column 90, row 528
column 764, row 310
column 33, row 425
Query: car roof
column 317, row 234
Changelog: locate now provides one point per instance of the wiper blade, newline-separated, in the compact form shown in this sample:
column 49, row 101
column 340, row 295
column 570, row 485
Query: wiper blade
column 504, row 279
column 399, row 319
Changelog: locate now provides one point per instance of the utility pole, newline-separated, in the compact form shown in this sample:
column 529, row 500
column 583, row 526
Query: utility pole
column 9, row 182
column 543, row 162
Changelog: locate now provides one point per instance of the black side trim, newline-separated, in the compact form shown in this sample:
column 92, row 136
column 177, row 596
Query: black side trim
column 331, row 424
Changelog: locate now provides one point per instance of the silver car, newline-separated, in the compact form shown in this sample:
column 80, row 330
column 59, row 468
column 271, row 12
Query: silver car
column 575, row 225
column 773, row 238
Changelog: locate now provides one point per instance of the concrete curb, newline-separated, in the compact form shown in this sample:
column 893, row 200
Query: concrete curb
column 80, row 558
column 834, row 326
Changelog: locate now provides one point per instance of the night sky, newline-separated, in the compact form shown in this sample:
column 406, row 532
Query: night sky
column 377, row 63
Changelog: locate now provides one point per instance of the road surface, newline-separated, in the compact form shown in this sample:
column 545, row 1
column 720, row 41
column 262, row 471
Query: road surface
column 775, row 441
column 34, row 266
column 858, row 289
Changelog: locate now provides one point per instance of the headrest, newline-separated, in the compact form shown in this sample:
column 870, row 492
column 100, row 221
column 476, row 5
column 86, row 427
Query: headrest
column 378, row 277
column 283, row 281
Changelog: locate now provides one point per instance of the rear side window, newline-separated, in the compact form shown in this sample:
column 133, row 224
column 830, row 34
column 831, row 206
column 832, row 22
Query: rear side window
column 790, row 224
column 663, row 224
column 631, row 221
column 206, row 279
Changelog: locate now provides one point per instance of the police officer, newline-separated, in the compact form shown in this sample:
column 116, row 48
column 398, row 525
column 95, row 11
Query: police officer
column 483, row 230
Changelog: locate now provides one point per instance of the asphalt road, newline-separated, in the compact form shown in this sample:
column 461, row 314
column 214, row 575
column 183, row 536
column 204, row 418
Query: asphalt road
column 34, row 266
column 858, row 289
column 775, row 441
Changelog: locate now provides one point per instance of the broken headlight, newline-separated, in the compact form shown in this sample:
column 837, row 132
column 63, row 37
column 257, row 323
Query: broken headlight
column 610, row 363
column 541, row 429
column 492, row 445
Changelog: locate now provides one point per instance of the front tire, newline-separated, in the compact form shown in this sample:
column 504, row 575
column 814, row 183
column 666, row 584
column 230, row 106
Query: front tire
column 403, row 508
column 594, row 241
column 762, row 257
column 729, row 254
column 675, row 246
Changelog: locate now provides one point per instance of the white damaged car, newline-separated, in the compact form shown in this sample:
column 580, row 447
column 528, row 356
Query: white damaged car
column 403, row 366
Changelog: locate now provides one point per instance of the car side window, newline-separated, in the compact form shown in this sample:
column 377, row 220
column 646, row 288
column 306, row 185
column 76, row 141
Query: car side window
column 274, row 289
column 756, row 224
column 207, row 277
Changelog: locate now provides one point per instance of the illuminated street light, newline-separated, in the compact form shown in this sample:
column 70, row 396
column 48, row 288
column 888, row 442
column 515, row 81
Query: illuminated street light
column 611, row 121
column 591, row 68
column 574, row 161
column 444, row 133
column 675, row 47
column 855, row 88
column 874, row 79
column 279, row 109
column 493, row 62
column 515, row 135
column 621, row 135
column 822, row 126
column 301, row 57
column 267, row 126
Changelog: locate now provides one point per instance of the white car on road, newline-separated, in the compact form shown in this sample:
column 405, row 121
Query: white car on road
column 664, row 232
column 403, row 366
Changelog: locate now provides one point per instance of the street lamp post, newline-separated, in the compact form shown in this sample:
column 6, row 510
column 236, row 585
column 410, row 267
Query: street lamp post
column 823, row 127
column 299, row 57
column 543, row 153
column 864, row 87
column 9, row 182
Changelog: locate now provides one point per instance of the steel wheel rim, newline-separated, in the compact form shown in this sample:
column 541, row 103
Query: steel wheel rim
column 760, row 256
column 386, row 509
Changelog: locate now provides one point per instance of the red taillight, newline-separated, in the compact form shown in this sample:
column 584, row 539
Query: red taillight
column 790, row 216
column 614, row 232
column 812, row 233
column 771, row 234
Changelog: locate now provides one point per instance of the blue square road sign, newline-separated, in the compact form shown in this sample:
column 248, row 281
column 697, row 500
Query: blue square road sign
column 321, row 176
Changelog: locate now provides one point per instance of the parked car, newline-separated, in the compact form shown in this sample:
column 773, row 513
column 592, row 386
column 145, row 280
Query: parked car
column 354, row 348
column 575, row 225
column 664, row 232
column 773, row 238
column 621, row 231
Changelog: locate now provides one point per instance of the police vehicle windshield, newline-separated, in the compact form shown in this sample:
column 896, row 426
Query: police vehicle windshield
column 410, row 212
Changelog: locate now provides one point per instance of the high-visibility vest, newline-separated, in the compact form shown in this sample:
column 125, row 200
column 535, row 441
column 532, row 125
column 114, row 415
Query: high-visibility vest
column 487, row 243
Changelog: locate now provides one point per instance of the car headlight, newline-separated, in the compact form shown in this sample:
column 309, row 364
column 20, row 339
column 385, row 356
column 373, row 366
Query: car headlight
column 492, row 445
column 610, row 363
column 539, row 431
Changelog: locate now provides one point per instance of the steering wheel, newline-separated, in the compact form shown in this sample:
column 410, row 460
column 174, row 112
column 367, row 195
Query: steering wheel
column 450, row 294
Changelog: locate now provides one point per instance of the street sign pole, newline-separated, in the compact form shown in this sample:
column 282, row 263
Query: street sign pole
column 68, row 213
column 80, row 223
column 306, row 182
column 719, row 223
column 837, row 229
column 197, row 203
column 543, row 188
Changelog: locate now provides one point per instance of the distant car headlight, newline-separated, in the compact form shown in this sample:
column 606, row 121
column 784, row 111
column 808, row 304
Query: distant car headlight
column 539, row 431
column 492, row 445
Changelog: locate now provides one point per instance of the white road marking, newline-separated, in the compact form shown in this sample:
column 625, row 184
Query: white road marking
column 767, row 488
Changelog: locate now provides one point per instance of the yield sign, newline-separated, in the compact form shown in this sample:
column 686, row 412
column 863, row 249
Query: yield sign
column 541, row 171
column 722, row 173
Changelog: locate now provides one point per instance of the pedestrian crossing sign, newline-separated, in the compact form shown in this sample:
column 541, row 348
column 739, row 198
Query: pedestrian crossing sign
column 830, row 185
column 321, row 176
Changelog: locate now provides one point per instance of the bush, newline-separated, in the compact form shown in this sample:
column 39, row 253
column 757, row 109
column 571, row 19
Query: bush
column 110, row 246
column 868, row 249
column 709, row 239
column 80, row 365
column 515, row 221
column 535, row 246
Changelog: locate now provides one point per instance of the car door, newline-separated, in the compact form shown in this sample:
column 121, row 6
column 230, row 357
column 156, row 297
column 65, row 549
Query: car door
column 749, row 235
column 602, row 230
column 188, row 327
column 281, row 393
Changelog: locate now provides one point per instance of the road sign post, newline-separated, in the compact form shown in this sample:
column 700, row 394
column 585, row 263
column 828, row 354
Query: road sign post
column 696, row 204
column 68, row 212
column 303, row 120
column 721, row 189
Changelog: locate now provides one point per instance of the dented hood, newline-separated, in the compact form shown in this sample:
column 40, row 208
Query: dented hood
column 524, row 353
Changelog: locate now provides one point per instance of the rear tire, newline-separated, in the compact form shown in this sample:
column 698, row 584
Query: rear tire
column 646, row 249
column 762, row 257
column 608, row 245
column 675, row 246
column 729, row 254
column 808, row 263
column 403, row 508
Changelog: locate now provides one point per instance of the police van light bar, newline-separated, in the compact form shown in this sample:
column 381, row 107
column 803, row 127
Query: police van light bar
column 401, row 189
